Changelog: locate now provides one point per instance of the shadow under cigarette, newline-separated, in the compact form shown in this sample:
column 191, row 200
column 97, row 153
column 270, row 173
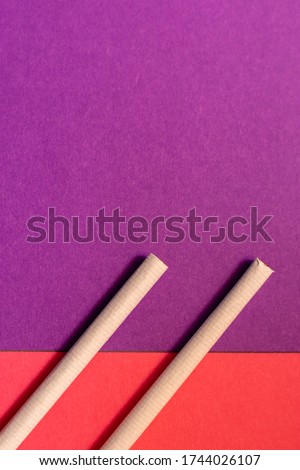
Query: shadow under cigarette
column 32, row 386
column 99, row 306
column 214, row 302
column 127, row 407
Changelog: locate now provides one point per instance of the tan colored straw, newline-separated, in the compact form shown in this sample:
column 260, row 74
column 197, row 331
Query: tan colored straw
column 81, row 353
column 188, row 358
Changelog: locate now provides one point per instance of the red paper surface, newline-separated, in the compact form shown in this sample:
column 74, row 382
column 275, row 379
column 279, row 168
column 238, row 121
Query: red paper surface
column 231, row 401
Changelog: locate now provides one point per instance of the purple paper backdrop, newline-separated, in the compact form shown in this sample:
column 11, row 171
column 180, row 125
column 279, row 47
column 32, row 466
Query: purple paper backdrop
column 155, row 107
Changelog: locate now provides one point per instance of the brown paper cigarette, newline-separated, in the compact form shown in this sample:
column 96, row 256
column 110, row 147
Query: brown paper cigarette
column 82, row 352
column 188, row 358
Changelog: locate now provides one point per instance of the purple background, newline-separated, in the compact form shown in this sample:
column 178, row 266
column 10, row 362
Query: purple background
column 156, row 107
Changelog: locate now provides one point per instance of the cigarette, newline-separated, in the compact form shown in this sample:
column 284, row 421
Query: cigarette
column 188, row 358
column 83, row 351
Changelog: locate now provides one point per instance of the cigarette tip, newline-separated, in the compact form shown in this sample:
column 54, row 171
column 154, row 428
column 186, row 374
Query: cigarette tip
column 264, row 265
column 157, row 260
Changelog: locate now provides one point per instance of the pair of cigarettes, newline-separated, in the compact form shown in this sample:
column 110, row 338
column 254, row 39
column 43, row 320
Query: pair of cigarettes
column 102, row 328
